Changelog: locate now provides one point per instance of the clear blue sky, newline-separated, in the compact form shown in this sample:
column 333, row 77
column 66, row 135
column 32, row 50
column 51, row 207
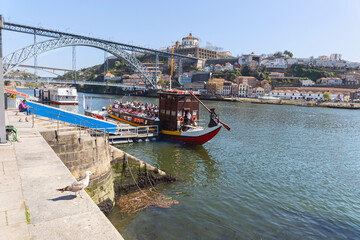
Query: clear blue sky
column 306, row 28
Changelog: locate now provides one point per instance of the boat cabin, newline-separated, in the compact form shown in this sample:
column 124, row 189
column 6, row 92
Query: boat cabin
column 174, row 109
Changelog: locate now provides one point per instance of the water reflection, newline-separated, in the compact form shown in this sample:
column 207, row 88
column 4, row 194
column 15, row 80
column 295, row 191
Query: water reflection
column 186, row 162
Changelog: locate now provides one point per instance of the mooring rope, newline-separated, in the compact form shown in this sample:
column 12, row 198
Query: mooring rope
column 134, row 178
column 147, row 175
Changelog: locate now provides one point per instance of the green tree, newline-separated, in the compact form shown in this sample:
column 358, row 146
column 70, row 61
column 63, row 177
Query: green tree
column 278, row 55
column 327, row 96
column 288, row 53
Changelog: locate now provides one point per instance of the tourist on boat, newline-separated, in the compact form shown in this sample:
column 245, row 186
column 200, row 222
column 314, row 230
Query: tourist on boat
column 188, row 118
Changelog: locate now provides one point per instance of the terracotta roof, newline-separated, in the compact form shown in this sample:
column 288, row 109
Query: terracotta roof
column 190, row 37
column 245, row 77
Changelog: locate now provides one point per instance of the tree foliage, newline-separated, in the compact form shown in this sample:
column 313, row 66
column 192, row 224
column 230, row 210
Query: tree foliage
column 288, row 53
column 307, row 72
column 327, row 96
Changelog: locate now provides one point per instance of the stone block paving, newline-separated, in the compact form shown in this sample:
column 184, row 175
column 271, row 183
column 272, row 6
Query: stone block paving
column 30, row 173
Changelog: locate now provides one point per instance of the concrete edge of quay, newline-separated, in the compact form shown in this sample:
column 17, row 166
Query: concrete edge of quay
column 30, row 206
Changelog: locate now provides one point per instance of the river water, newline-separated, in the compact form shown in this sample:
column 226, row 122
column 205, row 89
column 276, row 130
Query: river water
column 282, row 172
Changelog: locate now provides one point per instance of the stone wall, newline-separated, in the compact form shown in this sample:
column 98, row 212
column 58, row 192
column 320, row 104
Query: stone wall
column 85, row 153
column 81, row 153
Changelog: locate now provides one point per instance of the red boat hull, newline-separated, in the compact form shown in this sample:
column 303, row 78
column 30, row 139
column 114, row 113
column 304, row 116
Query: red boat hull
column 62, row 103
column 200, row 139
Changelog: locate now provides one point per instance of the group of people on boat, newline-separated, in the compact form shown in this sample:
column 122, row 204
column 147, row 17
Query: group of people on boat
column 148, row 110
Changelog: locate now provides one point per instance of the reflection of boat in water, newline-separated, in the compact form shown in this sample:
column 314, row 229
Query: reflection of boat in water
column 177, row 117
column 305, row 105
column 57, row 95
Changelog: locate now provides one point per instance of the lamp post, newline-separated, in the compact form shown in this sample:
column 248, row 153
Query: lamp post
column 2, row 98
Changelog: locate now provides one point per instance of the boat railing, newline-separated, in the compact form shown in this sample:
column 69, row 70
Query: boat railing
column 138, row 131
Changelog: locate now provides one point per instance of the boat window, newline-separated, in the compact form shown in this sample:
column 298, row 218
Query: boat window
column 167, row 112
column 181, row 98
column 194, row 112
column 188, row 99
column 169, row 97
column 162, row 111
column 173, row 113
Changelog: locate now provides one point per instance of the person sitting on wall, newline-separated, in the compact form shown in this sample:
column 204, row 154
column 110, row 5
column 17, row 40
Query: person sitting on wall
column 24, row 108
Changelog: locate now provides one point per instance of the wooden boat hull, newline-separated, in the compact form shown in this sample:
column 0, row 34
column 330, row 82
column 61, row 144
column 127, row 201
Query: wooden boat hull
column 191, row 137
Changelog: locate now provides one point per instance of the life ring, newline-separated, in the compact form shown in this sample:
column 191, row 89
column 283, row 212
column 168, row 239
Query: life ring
column 181, row 119
column 194, row 118
column 93, row 115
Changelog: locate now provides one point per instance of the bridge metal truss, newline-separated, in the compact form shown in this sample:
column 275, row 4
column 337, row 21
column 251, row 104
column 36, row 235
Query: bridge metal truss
column 14, row 59
column 58, row 34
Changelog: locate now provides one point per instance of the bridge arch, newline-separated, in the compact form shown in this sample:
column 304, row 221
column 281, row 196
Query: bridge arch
column 14, row 59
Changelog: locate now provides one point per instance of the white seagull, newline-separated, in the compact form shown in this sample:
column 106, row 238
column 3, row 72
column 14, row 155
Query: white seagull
column 77, row 186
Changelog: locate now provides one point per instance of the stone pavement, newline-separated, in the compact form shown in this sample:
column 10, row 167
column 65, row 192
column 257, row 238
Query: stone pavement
column 30, row 173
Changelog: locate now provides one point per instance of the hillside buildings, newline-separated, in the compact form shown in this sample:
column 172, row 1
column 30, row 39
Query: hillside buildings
column 329, row 81
column 314, row 93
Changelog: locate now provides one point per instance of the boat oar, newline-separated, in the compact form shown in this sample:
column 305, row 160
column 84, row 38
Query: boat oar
column 197, row 99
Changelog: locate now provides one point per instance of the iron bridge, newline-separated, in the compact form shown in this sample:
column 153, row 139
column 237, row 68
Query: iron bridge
column 63, row 39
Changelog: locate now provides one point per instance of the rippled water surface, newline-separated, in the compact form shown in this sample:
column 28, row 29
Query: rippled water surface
column 282, row 172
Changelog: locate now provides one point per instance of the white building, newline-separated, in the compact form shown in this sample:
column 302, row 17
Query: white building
column 308, row 95
column 257, row 92
column 244, row 90
column 307, row 82
column 276, row 74
column 291, row 61
column 190, row 41
column 304, row 61
column 274, row 63
column 329, row 81
column 335, row 57
column 246, row 59
column 351, row 78
column 218, row 68
column 229, row 67
column 226, row 91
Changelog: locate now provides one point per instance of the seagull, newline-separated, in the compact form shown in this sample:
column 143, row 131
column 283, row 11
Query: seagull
column 77, row 186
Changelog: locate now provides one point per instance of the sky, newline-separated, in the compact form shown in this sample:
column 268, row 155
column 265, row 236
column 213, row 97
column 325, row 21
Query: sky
column 306, row 28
